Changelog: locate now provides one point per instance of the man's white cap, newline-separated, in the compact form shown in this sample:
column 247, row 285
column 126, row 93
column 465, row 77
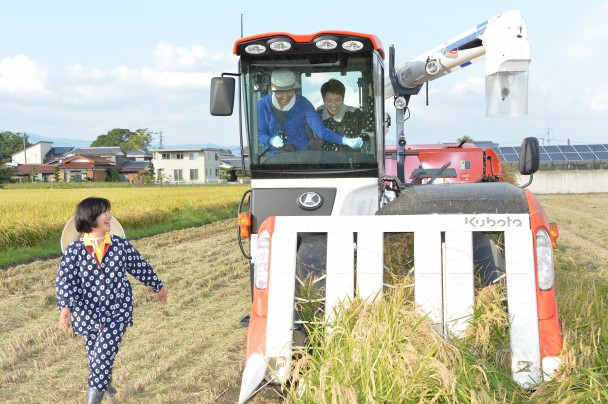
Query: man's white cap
column 283, row 80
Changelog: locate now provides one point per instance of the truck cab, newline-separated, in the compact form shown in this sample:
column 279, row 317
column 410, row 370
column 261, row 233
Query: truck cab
column 346, row 180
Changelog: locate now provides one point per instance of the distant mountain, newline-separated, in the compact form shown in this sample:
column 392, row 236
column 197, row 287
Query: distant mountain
column 191, row 146
column 58, row 142
column 65, row 142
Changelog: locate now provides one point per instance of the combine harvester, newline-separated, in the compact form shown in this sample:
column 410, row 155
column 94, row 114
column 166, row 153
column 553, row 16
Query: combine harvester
column 326, row 212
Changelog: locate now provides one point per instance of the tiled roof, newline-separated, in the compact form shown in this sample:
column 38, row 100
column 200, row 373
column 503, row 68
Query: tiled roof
column 23, row 169
column 134, row 166
column 97, row 151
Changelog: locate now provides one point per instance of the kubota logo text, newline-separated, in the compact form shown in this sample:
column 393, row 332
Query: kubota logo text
column 480, row 221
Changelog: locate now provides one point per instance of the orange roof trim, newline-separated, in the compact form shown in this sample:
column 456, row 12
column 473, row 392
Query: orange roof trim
column 306, row 38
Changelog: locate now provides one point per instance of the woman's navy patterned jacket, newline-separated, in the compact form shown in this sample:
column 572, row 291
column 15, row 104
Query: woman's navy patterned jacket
column 93, row 293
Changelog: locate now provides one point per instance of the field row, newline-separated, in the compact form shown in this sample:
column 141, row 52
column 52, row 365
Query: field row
column 29, row 216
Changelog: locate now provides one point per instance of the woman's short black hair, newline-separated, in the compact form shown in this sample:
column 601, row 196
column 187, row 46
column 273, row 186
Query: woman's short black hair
column 333, row 86
column 87, row 212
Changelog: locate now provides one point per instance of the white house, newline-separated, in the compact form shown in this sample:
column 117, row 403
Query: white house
column 187, row 166
column 34, row 154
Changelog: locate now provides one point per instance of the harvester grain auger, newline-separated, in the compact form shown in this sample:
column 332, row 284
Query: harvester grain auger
column 326, row 212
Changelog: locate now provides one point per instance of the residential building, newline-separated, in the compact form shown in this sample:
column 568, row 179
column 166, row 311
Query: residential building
column 132, row 171
column 33, row 154
column 187, row 165
column 113, row 153
column 40, row 172
column 138, row 155
column 85, row 168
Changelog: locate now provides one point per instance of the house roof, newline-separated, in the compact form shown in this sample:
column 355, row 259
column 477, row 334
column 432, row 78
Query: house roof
column 185, row 149
column 97, row 151
column 79, row 162
column 24, row 169
column 235, row 162
column 138, row 152
column 57, row 151
column 134, row 166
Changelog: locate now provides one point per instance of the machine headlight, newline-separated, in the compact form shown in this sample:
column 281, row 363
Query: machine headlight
column 326, row 44
column 400, row 102
column 352, row 45
column 432, row 67
column 255, row 49
column 280, row 46
column 544, row 260
column 262, row 260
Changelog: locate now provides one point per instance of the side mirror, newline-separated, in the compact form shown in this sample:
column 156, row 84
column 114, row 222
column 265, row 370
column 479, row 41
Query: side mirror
column 529, row 156
column 222, row 96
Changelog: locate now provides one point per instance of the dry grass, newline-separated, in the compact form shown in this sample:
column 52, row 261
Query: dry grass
column 188, row 351
column 192, row 349
column 582, row 219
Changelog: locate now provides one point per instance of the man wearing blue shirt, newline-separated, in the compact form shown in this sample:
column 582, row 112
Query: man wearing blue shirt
column 283, row 116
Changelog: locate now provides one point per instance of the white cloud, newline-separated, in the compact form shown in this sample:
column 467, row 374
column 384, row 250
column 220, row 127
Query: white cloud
column 22, row 76
column 172, row 58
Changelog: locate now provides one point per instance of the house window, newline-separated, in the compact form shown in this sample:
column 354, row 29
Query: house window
column 193, row 156
column 217, row 172
column 179, row 156
column 194, row 174
column 216, row 156
column 178, row 175
column 166, row 156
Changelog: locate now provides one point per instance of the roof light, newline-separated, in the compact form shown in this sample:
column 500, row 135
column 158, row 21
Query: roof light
column 352, row 45
column 326, row 44
column 255, row 49
column 280, row 46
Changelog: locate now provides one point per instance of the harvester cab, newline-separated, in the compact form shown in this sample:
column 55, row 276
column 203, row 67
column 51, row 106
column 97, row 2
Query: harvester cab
column 321, row 211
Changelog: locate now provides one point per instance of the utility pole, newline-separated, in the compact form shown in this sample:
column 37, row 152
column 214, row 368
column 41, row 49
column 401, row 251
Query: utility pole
column 548, row 133
column 160, row 138
column 24, row 148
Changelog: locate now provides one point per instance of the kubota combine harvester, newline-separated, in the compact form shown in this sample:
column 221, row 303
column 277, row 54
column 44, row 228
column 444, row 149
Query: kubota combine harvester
column 325, row 211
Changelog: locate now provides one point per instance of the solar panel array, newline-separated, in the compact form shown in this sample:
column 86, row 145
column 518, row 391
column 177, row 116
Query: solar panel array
column 559, row 153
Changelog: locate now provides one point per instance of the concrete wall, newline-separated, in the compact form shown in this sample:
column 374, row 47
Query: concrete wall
column 568, row 182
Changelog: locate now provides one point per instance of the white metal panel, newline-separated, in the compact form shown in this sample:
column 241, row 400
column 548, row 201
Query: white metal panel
column 281, row 289
column 405, row 223
column 370, row 264
column 339, row 285
column 458, row 281
column 428, row 288
column 521, row 294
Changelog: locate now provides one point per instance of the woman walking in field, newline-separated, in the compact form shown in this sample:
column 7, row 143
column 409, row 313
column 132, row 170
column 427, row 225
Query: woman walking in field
column 93, row 292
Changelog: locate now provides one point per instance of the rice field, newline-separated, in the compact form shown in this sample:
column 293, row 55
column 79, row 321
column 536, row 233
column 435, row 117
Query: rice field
column 192, row 350
column 30, row 216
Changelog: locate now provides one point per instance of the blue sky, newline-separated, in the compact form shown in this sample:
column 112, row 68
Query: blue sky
column 77, row 69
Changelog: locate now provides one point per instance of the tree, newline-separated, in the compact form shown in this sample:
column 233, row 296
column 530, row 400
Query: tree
column 33, row 174
column 465, row 139
column 113, row 175
column 125, row 139
column 5, row 173
column 56, row 172
column 11, row 143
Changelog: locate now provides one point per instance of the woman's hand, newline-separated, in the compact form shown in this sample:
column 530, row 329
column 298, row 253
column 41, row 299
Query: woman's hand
column 162, row 296
column 65, row 318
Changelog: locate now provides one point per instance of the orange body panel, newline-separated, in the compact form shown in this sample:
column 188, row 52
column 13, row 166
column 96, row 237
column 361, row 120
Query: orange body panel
column 548, row 322
column 256, row 332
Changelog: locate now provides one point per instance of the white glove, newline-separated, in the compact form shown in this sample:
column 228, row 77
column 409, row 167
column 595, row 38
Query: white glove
column 353, row 143
column 276, row 142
